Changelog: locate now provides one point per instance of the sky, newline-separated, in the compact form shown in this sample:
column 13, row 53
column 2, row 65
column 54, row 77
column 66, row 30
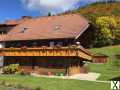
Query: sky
column 14, row 9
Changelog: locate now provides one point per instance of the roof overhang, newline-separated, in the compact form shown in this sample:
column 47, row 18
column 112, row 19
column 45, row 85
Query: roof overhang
column 84, row 29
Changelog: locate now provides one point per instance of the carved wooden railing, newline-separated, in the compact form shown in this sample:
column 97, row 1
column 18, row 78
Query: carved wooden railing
column 67, row 52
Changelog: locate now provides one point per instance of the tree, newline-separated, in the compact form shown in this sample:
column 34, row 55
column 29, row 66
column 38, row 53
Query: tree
column 109, row 29
column 117, row 29
column 49, row 13
column 108, row 1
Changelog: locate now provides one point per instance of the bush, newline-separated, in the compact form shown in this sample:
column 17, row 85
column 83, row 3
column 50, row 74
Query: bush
column 11, row 69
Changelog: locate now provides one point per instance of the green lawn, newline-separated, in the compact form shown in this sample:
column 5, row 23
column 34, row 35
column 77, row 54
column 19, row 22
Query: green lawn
column 54, row 84
column 108, row 71
column 8, row 88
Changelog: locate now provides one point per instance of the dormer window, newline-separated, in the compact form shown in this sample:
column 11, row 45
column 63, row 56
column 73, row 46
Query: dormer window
column 23, row 29
column 57, row 27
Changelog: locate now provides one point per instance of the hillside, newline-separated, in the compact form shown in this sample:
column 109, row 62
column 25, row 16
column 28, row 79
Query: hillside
column 98, row 9
column 106, row 20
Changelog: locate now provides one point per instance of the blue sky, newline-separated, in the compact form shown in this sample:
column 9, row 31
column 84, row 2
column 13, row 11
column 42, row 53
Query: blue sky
column 14, row 9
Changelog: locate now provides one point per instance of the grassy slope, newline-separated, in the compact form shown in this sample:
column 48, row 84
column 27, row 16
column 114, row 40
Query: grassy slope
column 107, row 70
column 54, row 84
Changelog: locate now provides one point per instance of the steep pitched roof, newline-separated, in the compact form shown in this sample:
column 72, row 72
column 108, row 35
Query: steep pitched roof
column 53, row 27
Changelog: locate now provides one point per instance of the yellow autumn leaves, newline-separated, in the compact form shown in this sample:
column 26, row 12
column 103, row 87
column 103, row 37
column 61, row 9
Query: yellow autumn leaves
column 109, row 26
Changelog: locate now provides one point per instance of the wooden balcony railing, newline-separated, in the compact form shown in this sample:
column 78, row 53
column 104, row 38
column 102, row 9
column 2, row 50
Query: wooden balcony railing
column 68, row 52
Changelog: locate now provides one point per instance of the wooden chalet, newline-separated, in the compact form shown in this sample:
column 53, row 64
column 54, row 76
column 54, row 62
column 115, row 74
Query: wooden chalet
column 47, row 44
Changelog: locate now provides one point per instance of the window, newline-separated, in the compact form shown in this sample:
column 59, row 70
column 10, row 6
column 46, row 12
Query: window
column 60, row 43
column 23, row 29
column 52, row 44
column 57, row 27
column 3, row 32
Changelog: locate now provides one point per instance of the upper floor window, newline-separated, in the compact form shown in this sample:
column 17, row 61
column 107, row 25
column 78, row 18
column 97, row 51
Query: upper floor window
column 52, row 44
column 3, row 32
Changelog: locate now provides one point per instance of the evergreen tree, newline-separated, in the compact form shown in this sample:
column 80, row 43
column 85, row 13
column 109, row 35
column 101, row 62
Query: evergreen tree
column 49, row 14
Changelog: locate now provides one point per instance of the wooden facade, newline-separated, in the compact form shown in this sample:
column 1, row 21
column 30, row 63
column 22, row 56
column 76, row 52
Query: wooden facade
column 100, row 59
column 63, row 52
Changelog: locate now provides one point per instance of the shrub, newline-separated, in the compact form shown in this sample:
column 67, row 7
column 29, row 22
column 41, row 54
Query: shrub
column 11, row 69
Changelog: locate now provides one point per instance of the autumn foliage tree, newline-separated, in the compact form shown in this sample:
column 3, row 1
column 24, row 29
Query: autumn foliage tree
column 108, row 30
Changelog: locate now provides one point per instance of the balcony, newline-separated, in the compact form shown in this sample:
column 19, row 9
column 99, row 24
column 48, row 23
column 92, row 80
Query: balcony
column 61, row 52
